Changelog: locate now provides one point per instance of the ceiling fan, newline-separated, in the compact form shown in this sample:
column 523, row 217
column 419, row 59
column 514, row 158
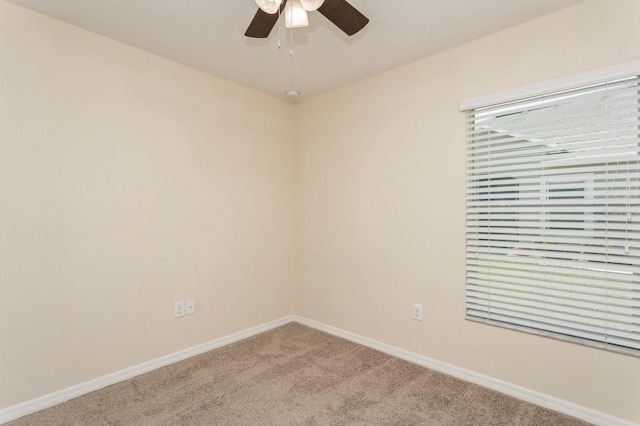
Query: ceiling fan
column 340, row 12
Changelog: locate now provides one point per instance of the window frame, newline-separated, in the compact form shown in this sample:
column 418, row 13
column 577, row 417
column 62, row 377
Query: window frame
column 541, row 89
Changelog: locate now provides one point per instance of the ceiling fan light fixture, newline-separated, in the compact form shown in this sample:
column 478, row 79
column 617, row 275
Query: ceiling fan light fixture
column 269, row 6
column 295, row 16
column 311, row 5
column 340, row 12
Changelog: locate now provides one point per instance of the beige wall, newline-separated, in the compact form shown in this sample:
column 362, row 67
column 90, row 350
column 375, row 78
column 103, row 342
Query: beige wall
column 128, row 182
column 381, row 205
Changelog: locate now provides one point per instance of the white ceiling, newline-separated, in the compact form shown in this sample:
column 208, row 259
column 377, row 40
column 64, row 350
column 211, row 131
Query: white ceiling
column 209, row 35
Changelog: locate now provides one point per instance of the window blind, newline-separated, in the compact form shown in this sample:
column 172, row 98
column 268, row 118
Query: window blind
column 553, row 214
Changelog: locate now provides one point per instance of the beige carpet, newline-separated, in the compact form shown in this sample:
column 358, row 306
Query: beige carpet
column 295, row 375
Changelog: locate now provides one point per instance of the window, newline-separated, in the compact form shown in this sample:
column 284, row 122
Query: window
column 553, row 213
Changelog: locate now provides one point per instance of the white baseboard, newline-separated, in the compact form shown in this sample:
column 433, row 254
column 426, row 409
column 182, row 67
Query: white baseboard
column 534, row 397
column 543, row 400
column 46, row 401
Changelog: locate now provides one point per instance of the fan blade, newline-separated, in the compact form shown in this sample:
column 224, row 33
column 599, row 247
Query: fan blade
column 344, row 16
column 262, row 23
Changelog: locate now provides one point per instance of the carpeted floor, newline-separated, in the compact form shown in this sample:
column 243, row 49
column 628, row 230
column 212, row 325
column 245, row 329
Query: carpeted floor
column 295, row 375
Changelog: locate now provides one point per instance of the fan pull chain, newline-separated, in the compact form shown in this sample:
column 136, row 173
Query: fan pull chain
column 291, row 45
column 279, row 25
column 291, row 41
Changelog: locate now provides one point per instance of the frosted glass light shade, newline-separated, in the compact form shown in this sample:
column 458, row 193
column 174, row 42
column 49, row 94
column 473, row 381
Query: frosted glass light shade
column 269, row 6
column 294, row 15
column 311, row 5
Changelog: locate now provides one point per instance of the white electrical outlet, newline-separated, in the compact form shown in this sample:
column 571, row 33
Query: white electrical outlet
column 178, row 309
column 417, row 312
column 190, row 306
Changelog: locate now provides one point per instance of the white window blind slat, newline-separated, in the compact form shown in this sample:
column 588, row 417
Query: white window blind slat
column 583, row 300
column 611, row 289
column 604, row 167
column 593, row 277
column 555, row 265
column 561, row 332
column 561, row 327
column 561, row 134
column 527, row 250
column 616, row 324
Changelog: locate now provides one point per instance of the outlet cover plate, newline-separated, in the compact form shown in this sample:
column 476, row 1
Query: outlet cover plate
column 417, row 312
column 190, row 306
column 178, row 309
